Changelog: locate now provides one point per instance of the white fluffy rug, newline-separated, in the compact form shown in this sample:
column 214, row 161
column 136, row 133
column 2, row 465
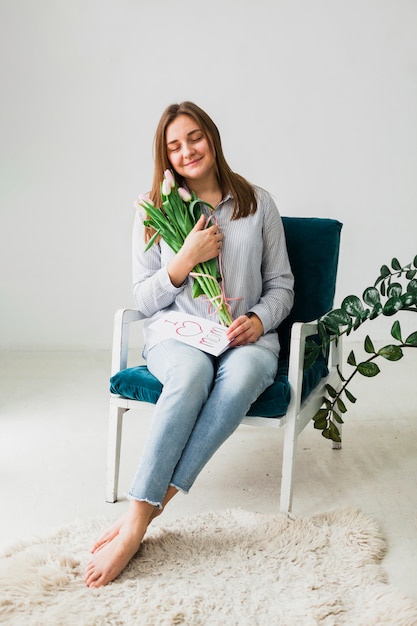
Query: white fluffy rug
column 232, row 567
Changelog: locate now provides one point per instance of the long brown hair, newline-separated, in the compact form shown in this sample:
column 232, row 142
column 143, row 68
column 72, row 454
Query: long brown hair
column 240, row 189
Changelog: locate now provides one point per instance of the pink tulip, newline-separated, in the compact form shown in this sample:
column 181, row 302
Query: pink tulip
column 184, row 194
column 142, row 200
column 169, row 178
column 166, row 187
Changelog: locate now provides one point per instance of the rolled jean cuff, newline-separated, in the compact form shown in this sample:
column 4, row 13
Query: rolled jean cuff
column 155, row 504
column 178, row 488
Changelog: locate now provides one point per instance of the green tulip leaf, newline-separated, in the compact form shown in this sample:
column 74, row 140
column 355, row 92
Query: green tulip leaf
column 152, row 239
column 368, row 369
column 391, row 353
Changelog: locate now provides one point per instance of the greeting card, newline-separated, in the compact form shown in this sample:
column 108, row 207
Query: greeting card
column 195, row 331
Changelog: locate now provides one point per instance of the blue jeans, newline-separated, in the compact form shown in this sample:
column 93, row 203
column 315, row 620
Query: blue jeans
column 203, row 401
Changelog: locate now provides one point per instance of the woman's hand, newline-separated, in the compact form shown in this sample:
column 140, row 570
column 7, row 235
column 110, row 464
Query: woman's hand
column 244, row 330
column 201, row 244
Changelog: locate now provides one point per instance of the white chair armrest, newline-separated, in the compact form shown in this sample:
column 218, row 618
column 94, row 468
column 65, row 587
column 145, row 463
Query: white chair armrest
column 122, row 320
column 299, row 333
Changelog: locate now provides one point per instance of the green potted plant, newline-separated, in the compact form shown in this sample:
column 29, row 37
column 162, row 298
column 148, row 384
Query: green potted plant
column 394, row 291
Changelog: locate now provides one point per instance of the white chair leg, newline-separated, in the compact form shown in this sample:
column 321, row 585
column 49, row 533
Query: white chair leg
column 113, row 452
column 337, row 445
column 288, row 466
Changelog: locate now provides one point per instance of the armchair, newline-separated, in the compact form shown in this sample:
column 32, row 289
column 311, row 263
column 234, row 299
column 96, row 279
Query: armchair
column 296, row 394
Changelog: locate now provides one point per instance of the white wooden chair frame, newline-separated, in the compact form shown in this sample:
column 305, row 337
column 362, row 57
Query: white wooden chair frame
column 298, row 415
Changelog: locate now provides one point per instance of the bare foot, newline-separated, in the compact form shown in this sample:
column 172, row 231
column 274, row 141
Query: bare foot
column 109, row 535
column 111, row 558
column 114, row 530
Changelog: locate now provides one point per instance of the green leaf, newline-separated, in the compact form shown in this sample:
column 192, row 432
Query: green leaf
column 339, row 371
column 385, row 271
column 396, row 331
column 368, row 345
column 352, row 359
column 391, row 353
column 371, row 296
column 336, row 321
column 341, row 405
column 311, row 354
column 395, row 290
column 334, row 433
column 320, row 414
column 410, row 274
column 407, row 299
column 352, row 306
column 395, row 264
column 197, row 289
column 320, row 423
column 415, row 261
column 392, row 306
column 331, row 391
column 412, row 285
column 337, row 417
column 350, row 396
column 412, row 339
column 368, row 369
column 377, row 310
column 152, row 240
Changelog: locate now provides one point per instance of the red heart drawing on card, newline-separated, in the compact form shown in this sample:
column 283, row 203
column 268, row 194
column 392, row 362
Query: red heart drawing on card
column 189, row 329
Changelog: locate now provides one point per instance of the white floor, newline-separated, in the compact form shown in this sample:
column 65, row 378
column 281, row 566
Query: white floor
column 53, row 428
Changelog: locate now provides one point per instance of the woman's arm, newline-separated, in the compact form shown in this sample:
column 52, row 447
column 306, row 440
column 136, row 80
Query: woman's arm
column 159, row 274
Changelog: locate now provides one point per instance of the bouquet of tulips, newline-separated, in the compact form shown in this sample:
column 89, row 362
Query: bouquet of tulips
column 179, row 213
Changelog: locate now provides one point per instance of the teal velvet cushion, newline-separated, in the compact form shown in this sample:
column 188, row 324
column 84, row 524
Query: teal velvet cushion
column 313, row 249
column 137, row 383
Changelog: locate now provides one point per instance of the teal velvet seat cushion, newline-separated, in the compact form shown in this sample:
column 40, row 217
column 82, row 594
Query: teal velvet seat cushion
column 137, row 383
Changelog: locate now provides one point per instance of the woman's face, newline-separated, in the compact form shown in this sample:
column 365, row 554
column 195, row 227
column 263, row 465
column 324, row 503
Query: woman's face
column 188, row 150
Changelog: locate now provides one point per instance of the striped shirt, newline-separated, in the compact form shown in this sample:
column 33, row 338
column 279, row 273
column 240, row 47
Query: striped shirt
column 255, row 266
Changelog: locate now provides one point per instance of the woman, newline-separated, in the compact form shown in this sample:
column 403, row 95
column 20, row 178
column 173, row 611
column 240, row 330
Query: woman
column 204, row 398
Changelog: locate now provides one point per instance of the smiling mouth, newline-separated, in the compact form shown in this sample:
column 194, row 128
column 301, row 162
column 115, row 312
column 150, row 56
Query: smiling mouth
column 193, row 162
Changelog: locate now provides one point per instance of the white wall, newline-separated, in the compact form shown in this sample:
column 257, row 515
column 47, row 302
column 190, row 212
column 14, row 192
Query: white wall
column 316, row 100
